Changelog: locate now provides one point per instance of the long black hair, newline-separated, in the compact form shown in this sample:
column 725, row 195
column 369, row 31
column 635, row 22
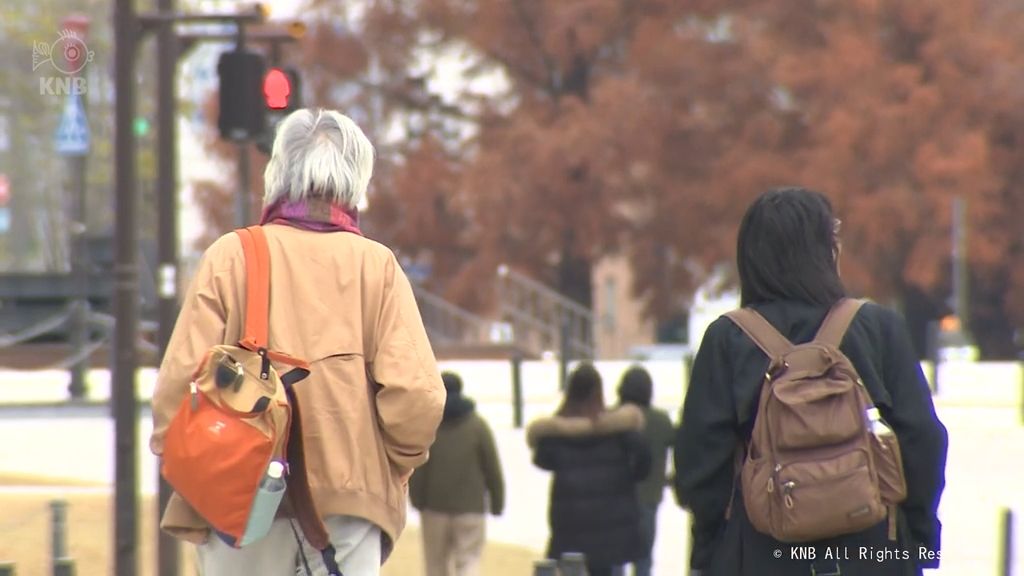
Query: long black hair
column 787, row 249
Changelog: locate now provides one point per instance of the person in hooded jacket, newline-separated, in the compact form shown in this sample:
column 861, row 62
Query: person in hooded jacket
column 637, row 388
column 452, row 490
column 788, row 258
column 598, row 456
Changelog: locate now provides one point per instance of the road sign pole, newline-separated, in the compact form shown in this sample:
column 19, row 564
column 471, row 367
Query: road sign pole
column 79, row 271
column 72, row 142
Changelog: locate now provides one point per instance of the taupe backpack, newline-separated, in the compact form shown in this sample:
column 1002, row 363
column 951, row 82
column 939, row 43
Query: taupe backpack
column 817, row 466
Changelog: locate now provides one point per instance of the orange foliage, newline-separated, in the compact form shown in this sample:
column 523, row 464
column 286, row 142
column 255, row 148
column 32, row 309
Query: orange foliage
column 646, row 127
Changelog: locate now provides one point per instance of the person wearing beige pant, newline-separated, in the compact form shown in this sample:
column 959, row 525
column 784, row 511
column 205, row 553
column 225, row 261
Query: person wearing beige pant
column 453, row 541
column 453, row 489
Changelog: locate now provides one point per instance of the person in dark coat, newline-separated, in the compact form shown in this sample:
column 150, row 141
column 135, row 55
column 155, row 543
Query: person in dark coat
column 597, row 456
column 788, row 258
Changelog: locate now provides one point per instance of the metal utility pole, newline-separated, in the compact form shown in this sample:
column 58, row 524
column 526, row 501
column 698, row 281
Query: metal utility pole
column 167, row 240
column 243, row 202
column 959, row 260
column 128, row 29
column 125, row 299
column 244, row 198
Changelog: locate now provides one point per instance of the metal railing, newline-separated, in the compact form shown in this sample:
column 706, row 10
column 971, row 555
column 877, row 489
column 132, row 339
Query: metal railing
column 543, row 319
column 447, row 323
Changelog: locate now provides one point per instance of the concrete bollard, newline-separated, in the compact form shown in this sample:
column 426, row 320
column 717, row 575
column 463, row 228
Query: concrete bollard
column 573, row 564
column 563, row 355
column 1006, row 545
column 517, row 390
column 545, row 568
column 58, row 526
column 932, row 352
column 1022, row 393
column 687, row 371
column 64, row 567
column 7, row 569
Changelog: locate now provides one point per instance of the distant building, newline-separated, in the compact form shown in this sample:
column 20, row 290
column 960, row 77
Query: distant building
column 621, row 331
column 619, row 323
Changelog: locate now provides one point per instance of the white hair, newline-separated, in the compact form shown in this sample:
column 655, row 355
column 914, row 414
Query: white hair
column 319, row 153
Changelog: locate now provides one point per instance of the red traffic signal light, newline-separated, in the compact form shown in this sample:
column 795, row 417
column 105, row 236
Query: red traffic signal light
column 277, row 89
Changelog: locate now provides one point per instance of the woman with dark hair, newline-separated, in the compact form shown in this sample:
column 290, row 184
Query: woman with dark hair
column 597, row 456
column 788, row 253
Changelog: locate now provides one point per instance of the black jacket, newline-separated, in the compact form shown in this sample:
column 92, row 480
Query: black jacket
column 596, row 463
column 718, row 415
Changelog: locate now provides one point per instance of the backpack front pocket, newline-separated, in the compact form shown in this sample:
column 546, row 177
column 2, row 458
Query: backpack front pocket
column 822, row 498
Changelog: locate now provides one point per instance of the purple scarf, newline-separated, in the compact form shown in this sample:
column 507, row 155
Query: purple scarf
column 315, row 214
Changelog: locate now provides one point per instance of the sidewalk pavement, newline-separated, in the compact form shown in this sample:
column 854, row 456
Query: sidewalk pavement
column 984, row 471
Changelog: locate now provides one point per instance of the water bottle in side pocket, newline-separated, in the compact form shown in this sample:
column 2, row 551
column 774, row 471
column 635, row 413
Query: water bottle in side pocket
column 266, row 503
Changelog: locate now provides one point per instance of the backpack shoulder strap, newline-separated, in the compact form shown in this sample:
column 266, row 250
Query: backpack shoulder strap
column 837, row 321
column 256, row 334
column 767, row 338
column 257, row 287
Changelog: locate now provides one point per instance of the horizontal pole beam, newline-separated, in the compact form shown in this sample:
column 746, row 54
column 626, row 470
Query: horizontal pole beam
column 156, row 18
column 256, row 36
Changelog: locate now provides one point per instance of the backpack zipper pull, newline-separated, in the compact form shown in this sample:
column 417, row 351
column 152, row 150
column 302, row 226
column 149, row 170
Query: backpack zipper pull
column 771, row 479
column 194, row 393
column 787, row 490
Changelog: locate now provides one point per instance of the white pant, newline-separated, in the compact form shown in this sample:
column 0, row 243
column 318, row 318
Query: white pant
column 356, row 541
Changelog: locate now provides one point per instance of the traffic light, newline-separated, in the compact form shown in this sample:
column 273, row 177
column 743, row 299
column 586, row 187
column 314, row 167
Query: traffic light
column 281, row 96
column 281, row 89
column 241, row 76
column 277, row 87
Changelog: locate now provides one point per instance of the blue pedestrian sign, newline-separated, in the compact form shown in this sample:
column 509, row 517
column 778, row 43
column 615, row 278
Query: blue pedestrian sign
column 73, row 132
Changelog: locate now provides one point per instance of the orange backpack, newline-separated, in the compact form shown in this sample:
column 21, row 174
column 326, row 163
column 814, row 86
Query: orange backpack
column 815, row 467
column 240, row 416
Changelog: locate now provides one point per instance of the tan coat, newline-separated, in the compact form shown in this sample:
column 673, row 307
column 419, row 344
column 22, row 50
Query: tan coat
column 372, row 403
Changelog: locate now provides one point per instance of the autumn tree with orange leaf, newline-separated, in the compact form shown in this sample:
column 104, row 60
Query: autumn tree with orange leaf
column 645, row 127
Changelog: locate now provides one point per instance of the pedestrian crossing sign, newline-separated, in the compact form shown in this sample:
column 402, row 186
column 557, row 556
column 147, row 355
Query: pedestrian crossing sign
column 73, row 132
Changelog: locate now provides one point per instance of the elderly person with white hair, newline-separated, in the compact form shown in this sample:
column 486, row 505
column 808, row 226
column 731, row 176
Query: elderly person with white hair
column 373, row 400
